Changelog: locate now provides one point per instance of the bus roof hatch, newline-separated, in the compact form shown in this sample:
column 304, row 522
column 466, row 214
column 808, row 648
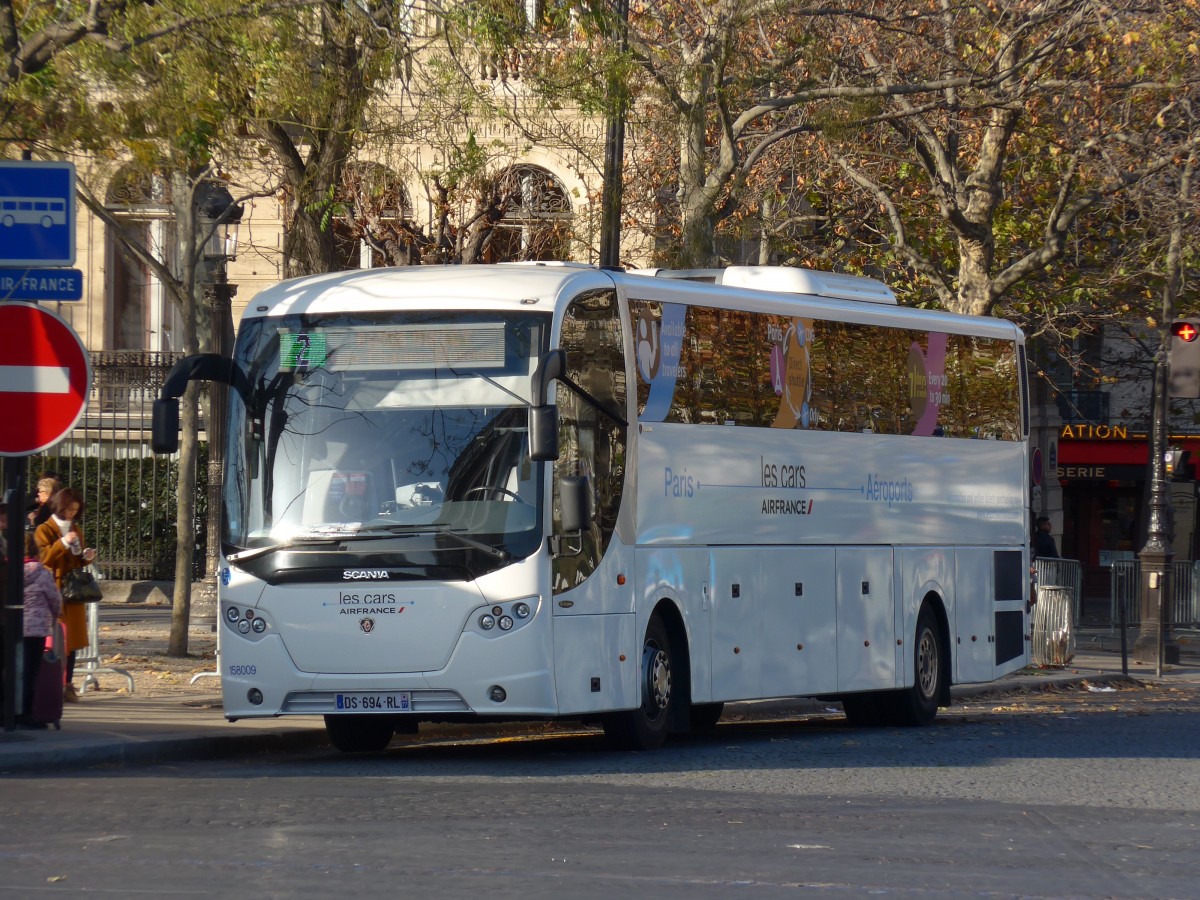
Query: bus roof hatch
column 793, row 280
column 786, row 280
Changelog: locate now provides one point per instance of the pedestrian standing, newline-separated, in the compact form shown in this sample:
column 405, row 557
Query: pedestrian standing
column 62, row 547
column 1043, row 541
column 48, row 485
column 3, row 584
column 43, row 606
column 3, row 556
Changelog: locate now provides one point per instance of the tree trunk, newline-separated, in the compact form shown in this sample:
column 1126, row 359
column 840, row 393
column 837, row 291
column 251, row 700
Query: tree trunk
column 185, row 524
column 974, row 278
column 697, row 217
column 307, row 248
column 183, row 196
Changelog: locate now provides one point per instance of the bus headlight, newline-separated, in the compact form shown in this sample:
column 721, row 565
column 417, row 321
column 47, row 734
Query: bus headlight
column 501, row 618
column 245, row 621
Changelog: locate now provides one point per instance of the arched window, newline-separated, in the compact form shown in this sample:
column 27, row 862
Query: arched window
column 372, row 219
column 537, row 217
column 140, row 313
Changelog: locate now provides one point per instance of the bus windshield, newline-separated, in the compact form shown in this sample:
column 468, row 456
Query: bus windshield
column 371, row 428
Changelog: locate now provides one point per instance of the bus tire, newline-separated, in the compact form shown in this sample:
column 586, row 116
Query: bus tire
column 360, row 734
column 918, row 705
column 864, row 710
column 704, row 716
column 646, row 727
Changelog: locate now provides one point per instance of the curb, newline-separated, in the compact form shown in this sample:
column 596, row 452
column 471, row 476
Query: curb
column 1039, row 683
column 958, row 693
column 170, row 748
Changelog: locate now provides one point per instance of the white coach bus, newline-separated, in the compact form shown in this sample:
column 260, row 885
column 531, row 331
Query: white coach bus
column 550, row 490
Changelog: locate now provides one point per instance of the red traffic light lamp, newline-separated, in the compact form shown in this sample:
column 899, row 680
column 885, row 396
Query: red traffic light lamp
column 1185, row 330
column 1184, row 358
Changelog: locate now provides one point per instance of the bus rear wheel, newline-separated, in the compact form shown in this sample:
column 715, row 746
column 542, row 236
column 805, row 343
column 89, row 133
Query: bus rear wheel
column 918, row 705
column 646, row 727
column 360, row 734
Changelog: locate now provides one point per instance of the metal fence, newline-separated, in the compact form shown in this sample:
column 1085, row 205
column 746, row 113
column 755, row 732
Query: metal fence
column 1126, row 579
column 129, row 492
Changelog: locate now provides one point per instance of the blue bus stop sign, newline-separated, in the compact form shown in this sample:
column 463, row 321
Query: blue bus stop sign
column 37, row 213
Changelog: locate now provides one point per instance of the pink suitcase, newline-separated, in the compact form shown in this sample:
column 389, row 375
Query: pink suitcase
column 51, row 679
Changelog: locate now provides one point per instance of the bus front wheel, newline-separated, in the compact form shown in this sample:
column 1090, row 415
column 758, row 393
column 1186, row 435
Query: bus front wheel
column 705, row 716
column 646, row 727
column 360, row 734
column 865, row 710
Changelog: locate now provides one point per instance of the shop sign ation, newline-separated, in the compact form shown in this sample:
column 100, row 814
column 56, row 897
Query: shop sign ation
column 1095, row 432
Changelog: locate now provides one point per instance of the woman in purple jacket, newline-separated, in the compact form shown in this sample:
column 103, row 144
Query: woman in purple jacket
column 43, row 604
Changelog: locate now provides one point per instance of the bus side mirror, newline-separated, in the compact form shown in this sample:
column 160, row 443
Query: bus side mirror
column 576, row 499
column 164, row 428
column 553, row 365
column 543, row 433
column 543, row 418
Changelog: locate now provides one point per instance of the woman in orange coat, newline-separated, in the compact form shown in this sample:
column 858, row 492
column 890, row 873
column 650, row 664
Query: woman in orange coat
column 62, row 548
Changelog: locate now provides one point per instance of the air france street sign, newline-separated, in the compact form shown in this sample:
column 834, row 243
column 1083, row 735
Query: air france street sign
column 41, row 284
column 45, row 378
column 37, row 213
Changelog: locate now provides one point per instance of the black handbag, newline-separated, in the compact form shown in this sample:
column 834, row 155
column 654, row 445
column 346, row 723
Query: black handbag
column 81, row 586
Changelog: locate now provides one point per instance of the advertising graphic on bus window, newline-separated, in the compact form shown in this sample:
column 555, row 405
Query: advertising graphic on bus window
column 699, row 365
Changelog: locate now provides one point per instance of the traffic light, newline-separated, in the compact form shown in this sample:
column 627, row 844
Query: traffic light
column 1184, row 359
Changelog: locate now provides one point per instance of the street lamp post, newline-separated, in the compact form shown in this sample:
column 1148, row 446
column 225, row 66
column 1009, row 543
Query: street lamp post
column 1155, row 641
column 223, row 217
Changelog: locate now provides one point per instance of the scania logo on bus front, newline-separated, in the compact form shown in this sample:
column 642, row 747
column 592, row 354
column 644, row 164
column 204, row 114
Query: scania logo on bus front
column 360, row 574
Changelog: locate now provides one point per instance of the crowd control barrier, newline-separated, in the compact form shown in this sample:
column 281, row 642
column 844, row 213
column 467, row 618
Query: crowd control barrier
column 90, row 661
column 1126, row 579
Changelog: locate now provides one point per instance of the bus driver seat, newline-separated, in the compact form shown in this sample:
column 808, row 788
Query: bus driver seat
column 334, row 495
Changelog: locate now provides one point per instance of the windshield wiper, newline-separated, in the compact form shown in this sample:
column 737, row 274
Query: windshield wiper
column 382, row 530
column 375, row 533
column 291, row 543
column 492, row 381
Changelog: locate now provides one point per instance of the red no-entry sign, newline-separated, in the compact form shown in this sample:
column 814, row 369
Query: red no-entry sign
column 45, row 376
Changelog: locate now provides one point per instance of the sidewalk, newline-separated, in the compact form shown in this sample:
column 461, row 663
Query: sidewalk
column 182, row 721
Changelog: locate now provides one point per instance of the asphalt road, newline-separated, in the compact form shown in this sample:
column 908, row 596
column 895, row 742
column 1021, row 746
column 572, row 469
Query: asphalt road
column 1080, row 795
